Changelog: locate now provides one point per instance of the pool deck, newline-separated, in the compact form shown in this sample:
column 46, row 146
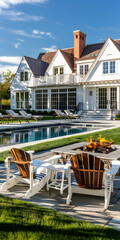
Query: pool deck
column 98, row 125
column 82, row 207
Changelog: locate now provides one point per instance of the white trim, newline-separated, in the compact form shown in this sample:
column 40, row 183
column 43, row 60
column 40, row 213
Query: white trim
column 98, row 57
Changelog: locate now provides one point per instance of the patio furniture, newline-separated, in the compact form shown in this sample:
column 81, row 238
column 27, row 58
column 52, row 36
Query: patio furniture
column 30, row 116
column 57, row 182
column 16, row 116
column 71, row 115
column 4, row 117
column 91, row 177
column 60, row 114
column 31, row 172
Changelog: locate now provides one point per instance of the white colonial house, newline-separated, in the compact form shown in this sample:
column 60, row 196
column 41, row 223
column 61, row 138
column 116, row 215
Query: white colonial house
column 86, row 76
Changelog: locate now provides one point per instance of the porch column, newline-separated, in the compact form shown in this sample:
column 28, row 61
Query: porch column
column 84, row 98
column 77, row 95
column 49, row 99
column 118, row 98
column 108, row 98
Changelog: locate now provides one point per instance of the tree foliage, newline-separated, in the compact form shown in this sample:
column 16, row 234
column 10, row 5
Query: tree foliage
column 5, row 85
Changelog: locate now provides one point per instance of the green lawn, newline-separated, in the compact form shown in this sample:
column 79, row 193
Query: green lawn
column 24, row 221
column 108, row 134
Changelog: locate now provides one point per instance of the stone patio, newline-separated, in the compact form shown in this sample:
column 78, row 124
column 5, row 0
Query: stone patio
column 82, row 207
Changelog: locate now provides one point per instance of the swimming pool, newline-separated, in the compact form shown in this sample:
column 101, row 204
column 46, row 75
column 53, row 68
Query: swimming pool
column 40, row 133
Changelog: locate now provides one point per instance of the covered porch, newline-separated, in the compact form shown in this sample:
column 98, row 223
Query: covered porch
column 101, row 96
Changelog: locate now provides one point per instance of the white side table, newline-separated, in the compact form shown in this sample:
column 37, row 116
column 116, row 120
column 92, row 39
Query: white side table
column 58, row 184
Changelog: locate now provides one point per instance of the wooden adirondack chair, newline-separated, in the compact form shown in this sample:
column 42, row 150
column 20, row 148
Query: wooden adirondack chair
column 89, row 171
column 27, row 173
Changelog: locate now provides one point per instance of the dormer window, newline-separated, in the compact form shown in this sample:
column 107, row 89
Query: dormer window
column 24, row 76
column 55, row 71
column 59, row 70
column 84, row 69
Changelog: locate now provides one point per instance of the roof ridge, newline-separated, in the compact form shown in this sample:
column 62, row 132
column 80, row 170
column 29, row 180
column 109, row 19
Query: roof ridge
column 32, row 58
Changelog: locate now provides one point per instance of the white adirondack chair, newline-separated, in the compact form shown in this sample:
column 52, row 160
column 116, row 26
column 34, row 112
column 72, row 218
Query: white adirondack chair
column 27, row 173
column 91, row 177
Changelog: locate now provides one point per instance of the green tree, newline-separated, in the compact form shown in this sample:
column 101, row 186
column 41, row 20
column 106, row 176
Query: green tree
column 5, row 85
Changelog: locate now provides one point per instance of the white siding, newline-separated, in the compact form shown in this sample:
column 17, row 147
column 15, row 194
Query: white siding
column 57, row 62
column 109, row 54
column 17, row 85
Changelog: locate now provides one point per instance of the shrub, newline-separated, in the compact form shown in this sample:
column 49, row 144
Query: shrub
column 117, row 117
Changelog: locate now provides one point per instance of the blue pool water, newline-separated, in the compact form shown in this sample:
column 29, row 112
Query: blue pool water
column 35, row 134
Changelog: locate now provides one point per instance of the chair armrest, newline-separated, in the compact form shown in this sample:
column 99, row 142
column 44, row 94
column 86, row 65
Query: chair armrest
column 115, row 168
column 20, row 163
column 8, row 159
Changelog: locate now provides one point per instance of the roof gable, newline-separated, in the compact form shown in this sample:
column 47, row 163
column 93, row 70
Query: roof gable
column 100, row 55
column 66, row 56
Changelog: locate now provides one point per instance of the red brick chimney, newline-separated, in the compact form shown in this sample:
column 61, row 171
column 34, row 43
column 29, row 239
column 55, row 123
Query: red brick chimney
column 79, row 43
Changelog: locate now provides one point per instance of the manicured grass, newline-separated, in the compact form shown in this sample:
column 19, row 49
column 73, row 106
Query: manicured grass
column 108, row 134
column 43, row 119
column 24, row 221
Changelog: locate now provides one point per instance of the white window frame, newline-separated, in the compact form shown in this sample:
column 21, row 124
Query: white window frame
column 24, row 76
column 109, row 67
column 83, row 65
column 58, row 70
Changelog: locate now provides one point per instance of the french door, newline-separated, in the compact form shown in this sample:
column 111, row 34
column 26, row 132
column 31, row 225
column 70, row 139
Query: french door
column 102, row 103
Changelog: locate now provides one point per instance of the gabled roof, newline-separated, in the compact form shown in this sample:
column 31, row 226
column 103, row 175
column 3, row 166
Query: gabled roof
column 67, row 53
column 115, row 42
column 37, row 66
column 91, row 51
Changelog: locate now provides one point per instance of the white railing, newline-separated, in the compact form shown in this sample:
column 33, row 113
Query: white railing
column 57, row 80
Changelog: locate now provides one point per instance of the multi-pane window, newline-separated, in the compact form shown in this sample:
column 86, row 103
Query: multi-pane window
column 71, row 98
column 63, row 98
column 84, row 69
column 54, row 99
column 17, row 100
column 61, row 70
column 58, row 70
column 81, row 70
column 113, row 98
column 112, row 67
column 55, row 71
column 22, row 100
column 102, row 98
column 109, row 67
column 41, row 99
column 105, row 67
column 24, row 76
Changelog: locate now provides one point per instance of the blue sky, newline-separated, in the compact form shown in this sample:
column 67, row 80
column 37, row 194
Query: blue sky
column 28, row 27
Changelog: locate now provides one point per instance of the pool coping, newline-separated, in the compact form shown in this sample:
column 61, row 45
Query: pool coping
column 21, row 145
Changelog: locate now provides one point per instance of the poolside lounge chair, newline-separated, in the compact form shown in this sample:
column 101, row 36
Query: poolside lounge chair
column 30, row 116
column 89, row 171
column 27, row 173
column 60, row 114
column 17, row 116
column 4, row 118
column 70, row 114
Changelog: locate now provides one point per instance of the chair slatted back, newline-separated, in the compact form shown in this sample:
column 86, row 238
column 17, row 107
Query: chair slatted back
column 88, row 170
column 21, row 156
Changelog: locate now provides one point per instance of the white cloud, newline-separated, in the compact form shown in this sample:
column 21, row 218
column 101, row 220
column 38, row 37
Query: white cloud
column 19, row 16
column 37, row 32
column 4, row 68
column 20, row 40
column 50, row 49
column 17, row 45
column 23, row 33
column 10, row 59
column 8, row 3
